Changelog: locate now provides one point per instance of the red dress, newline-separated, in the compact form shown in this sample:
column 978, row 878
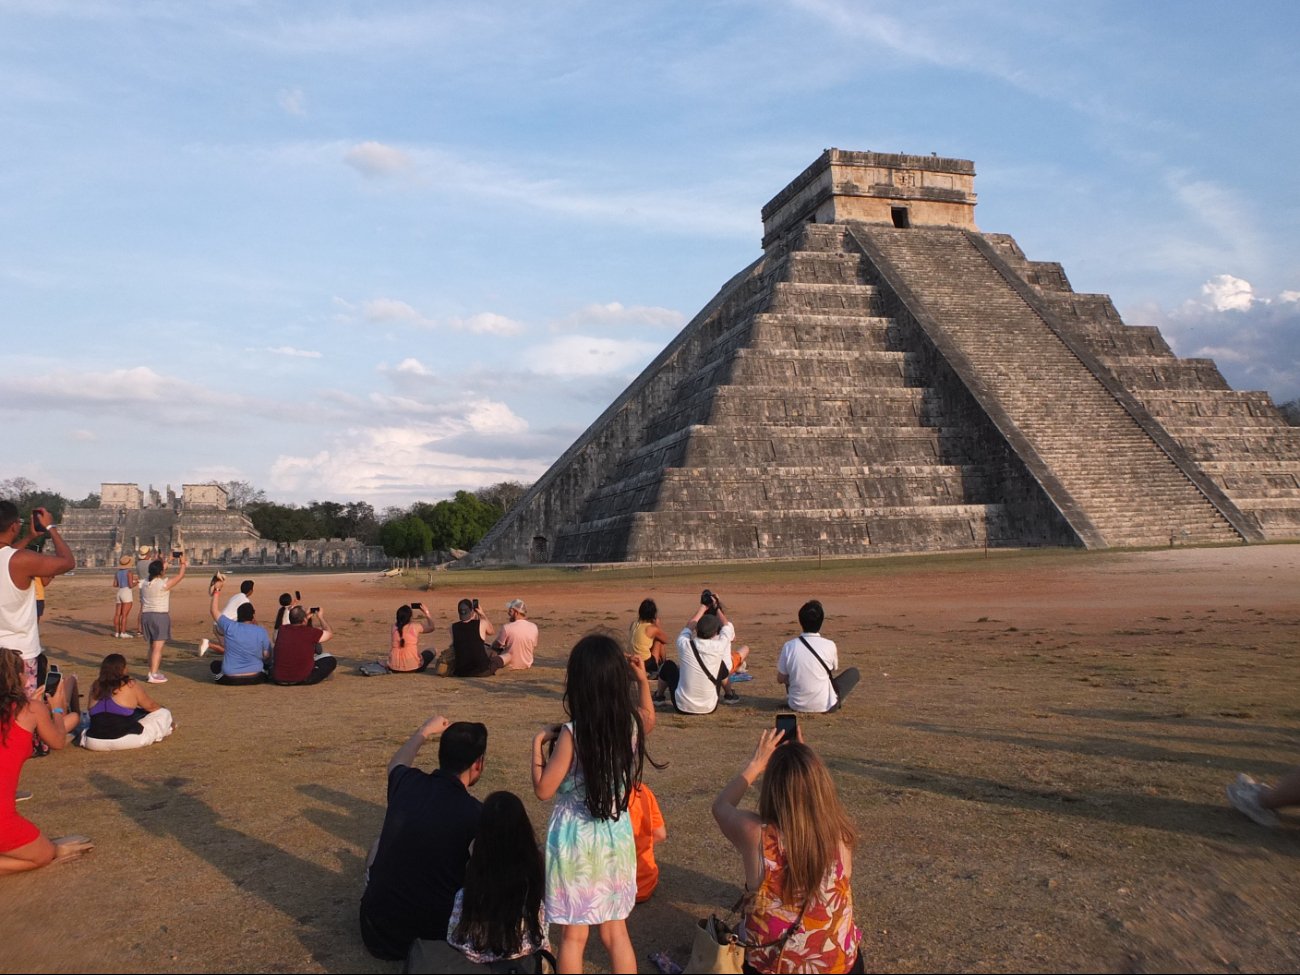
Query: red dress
column 15, row 748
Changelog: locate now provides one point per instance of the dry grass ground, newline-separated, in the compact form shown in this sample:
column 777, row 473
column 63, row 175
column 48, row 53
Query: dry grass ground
column 1035, row 760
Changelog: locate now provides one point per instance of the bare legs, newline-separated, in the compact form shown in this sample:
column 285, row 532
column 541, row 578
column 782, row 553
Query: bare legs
column 41, row 852
column 1285, row 793
column 121, row 618
column 613, row 935
column 155, row 656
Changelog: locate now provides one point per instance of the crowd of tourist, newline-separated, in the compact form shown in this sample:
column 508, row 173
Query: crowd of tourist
column 449, row 873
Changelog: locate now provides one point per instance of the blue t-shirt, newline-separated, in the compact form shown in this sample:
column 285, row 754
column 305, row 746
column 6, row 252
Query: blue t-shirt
column 245, row 644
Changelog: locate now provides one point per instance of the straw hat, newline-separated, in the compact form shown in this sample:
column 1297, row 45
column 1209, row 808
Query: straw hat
column 144, row 550
column 124, row 560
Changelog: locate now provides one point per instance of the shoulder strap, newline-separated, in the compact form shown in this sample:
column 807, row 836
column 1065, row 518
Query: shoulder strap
column 829, row 673
column 713, row 678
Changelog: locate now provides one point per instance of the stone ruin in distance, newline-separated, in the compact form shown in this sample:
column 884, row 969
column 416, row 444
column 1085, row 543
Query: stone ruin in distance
column 887, row 378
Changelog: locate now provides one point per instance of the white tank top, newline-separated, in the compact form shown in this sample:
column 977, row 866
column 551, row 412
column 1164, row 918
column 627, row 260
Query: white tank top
column 154, row 597
column 17, row 612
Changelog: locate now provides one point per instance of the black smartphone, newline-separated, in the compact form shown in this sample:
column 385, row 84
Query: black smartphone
column 52, row 678
column 476, row 604
column 315, row 610
column 177, row 553
column 789, row 723
column 297, row 595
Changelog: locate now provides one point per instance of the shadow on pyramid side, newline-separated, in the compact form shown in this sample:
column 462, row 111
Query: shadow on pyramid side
column 887, row 378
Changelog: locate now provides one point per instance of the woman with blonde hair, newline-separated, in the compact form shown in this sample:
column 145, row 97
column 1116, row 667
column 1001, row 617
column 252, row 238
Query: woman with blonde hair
column 798, row 858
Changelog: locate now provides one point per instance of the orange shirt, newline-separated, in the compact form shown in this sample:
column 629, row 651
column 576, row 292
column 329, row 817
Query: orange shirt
column 646, row 818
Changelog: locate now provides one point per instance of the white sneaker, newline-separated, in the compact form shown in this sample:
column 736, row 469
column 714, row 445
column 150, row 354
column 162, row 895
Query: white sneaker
column 203, row 646
column 157, row 679
column 1244, row 796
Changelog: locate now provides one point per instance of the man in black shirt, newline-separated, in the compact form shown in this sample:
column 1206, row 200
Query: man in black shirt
column 418, row 862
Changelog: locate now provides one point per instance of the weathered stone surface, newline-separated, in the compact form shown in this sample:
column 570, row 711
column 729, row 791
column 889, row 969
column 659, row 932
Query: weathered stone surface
column 199, row 523
column 878, row 382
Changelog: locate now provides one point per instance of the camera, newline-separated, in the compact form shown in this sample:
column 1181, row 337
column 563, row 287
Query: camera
column 707, row 598
column 315, row 611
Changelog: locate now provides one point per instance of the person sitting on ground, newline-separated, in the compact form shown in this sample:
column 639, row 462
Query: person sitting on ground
column 404, row 654
column 806, row 663
column 705, row 661
column 230, row 612
column 297, row 657
column 516, row 644
column 122, row 714
column 797, row 853
column 1261, row 802
column 418, row 863
column 647, row 639
column 124, row 583
column 497, row 915
column 247, row 645
column 648, row 828
column 22, row 845
column 469, row 641
column 282, row 614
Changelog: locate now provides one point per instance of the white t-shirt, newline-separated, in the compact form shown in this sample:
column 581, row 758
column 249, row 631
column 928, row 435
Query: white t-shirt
column 810, row 686
column 231, row 612
column 18, row 629
column 155, row 597
column 696, row 691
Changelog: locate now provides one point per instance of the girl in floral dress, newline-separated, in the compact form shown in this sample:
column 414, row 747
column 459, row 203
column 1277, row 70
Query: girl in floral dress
column 595, row 762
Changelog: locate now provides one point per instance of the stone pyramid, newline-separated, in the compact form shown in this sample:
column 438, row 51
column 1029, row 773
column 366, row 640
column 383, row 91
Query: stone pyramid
column 888, row 378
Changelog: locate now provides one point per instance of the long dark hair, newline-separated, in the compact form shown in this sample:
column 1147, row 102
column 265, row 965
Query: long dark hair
column 112, row 675
column 504, row 881
column 13, row 696
column 403, row 619
column 608, row 737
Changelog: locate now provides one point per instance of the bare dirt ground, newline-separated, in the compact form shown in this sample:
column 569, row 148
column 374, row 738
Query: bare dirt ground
column 1035, row 760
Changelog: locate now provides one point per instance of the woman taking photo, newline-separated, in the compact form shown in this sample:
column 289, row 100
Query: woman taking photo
column 122, row 714
column 798, row 858
column 497, row 915
column 594, row 764
column 404, row 654
column 22, row 845
column 155, row 613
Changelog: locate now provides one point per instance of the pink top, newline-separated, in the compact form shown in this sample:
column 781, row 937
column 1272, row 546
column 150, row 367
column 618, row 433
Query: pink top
column 519, row 639
column 405, row 657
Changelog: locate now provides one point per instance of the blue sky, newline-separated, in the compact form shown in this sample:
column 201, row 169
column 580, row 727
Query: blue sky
column 384, row 251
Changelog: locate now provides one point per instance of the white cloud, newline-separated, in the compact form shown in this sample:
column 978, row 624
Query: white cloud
column 412, row 367
column 1289, row 296
column 419, row 458
column 375, row 160
column 1227, row 293
column 487, row 323
column 617, row 314
column 293, row 101
column 83, row 436
column 393, row 310
column 584, row 355
column 1255, row 340
column 290, row 351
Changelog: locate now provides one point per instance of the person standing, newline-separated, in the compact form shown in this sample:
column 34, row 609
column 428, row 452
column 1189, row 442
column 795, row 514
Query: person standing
column 124, row 582
column 20, row 567
column 155, row 612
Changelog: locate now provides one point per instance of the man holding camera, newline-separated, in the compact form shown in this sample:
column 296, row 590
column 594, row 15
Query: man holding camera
column 19, row 567
column 296, row 657
column 705, row 661
column 469, row 641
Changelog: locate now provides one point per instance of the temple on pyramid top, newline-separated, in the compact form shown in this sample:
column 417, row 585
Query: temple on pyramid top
column 875, row 187
column 887, row 377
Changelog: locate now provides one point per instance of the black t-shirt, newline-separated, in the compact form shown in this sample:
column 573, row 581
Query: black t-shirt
column 420, row 863
column 471, row 651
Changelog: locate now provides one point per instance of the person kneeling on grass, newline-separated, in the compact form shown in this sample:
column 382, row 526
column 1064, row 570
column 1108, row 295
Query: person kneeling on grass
column 122, row 714
column 298, row 657
column 22, row 845
column 247, row 645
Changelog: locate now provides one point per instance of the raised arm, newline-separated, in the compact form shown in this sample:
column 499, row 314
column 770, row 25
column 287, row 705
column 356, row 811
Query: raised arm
column 743, row 828
column 26, row 565
column 645, row 703
column 548, row 773
column 174, row 580
column 215, row 608
column 405, row 755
